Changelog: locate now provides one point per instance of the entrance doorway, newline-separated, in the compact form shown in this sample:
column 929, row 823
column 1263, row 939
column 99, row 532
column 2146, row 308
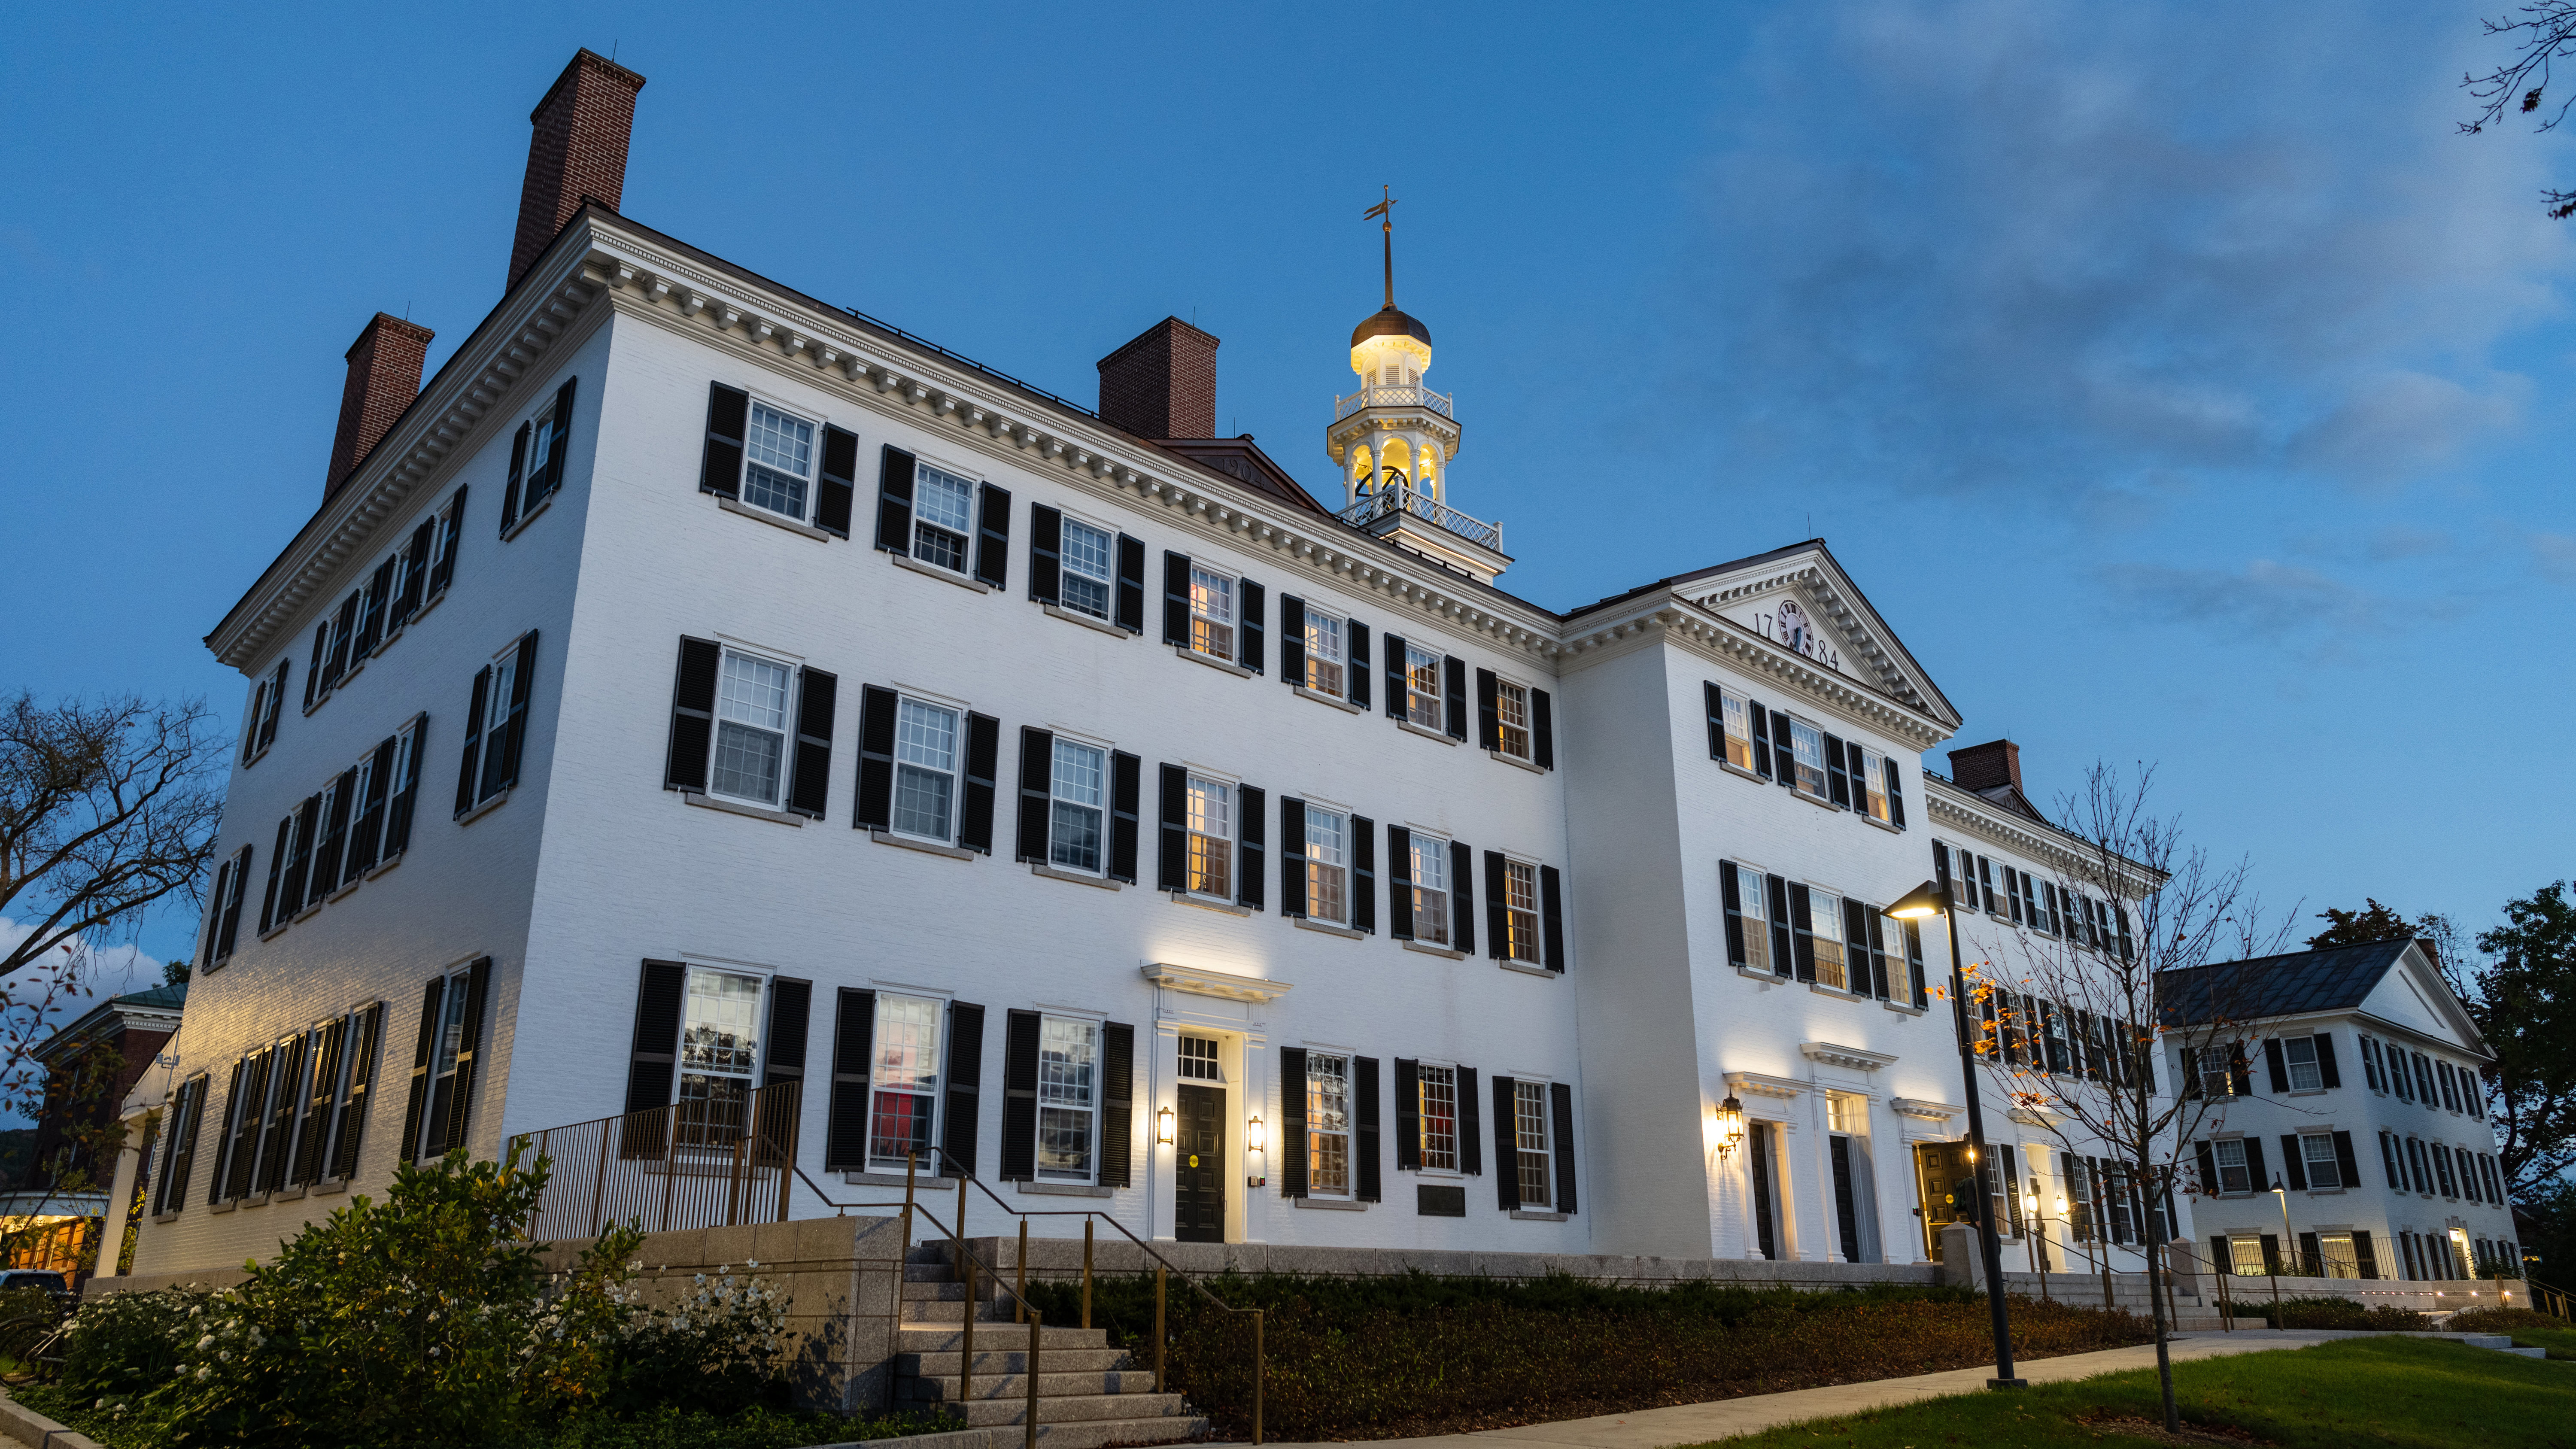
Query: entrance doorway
column 1940, row 1170
column 1198, row 1166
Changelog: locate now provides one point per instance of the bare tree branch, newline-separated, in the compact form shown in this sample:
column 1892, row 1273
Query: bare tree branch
column 2543, row 33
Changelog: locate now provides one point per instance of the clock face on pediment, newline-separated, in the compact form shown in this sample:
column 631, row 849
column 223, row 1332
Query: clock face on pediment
column 1791, row 621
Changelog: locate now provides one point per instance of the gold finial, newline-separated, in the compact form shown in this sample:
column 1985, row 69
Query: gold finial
column 1386, row 209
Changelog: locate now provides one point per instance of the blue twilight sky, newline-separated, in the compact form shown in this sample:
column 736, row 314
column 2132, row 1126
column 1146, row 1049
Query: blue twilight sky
column 2175, row 380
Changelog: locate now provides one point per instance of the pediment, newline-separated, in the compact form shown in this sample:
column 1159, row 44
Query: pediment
column 1800, row 601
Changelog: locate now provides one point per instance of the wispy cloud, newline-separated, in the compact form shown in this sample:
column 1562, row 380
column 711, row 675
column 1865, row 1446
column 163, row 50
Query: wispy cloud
column 2263, row 600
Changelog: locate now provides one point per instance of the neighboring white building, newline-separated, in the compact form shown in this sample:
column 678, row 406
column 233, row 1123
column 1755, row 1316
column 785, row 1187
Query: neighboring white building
column 2350, row 1139
column 815, row 706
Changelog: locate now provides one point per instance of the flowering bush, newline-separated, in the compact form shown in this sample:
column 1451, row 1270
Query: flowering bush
column 716, row 1350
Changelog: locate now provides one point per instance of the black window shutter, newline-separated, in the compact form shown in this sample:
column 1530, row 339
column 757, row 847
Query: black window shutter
column 562, row 426
column 1176, row 598
column 1037, row 790
column 1396, row 696
column 1126, row 783
column 370, row 835
column 1462, row 897
column 2278, row 1067
column 876, row 758
column 810, row 786
column 1802, row 942
column 1453, row 680
column 1363, row 874
column 1172, row 860
column 791, row 1016
column 1292, row 640
column 2209, row 1179
column 983, row 768
column 1837, row 776
column 1784, row 750
column 1471, row 1125
column 1357, row 661
column 1364, row 1140
column 2345, row 1163
column 1877, row 953
column 2293, row 1168
column 1542, row 730
column 1292, row 1122
column 1489, row 714
column 1551, row 917
column 230, row 931
column 1713, row 702
column 1408, row 1115
column 854, row 1029
column 510, row 490
column 1254, row 616
column 838, row 498
column 957, row 1122
column 473, row 756
column 2239, row 1072
column 515, row 733
column 1020, row 1096
column 1855, row 947
column 1131, row 584
column 993, row 536
column 2326, row 1072
column 460, row 1102
column 1117, row 1103
column 1251, row 875
column 1783, row 957
column 1895, row 795
column 728, row 414
column 2365, row 1259
column 1914, row 964
column 1760, row 719
column 1046, row 554
column 1399, row 883
column 1730, row 890
column 398, row 811
column 335, row 837
column 213, row 951
column 442, row 570
column 417, row 1104
column 1292, row 857
column 277, row 691
column 1507, row 1161
column 2254, row 1164
column 894, row 500
column 1498, row 934
column 1560, row 1103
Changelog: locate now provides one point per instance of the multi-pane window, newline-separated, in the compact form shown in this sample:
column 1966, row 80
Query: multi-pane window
column 1529, row 1141
column 1739, row 732
column 1198, row 1060
column 2232, row 1173
column 778, row 461
column 2317, row 1152
column 1437, row 1089
column 1212, row 613
column 1328, row 1124
column 1422, row 688
column 1808, row 743
column 943, row 513
column 1068, row 1097
column 1512, row 714
column 719, row 1054
column 1872, row 790
column 2300, row 1053
column 1520, row 911
column 2245, row 1255
column 1087, row 556
column 1211, row 830
column 2215, row 1065
column 2442, row 1171
column 1324, row 654
column 1430, row 890
column 1073, row 839
column 925, row 769
column 2337, row 1252
column 2398, row 1079
column 1327, row 865
column 904, row 1086
column 751, row 728
column 2424, row 1079
column 1754, row 910
column 1825, row 922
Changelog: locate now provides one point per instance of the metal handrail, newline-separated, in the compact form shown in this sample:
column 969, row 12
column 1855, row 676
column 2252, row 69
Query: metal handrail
column 1370, row 507
column 1401, row 395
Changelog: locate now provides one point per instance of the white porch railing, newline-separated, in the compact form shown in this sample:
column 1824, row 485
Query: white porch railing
column 1386, row 502
column 1415, row 396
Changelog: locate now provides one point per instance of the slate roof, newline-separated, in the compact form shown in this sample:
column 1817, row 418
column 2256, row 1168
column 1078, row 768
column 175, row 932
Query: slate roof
column 2302, row 981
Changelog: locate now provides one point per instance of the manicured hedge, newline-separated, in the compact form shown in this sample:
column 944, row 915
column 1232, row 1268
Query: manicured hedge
column 2328, row 1312
column 1395, row 1357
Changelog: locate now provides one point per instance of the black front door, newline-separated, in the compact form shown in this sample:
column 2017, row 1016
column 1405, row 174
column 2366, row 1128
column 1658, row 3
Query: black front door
column 1198, row 1161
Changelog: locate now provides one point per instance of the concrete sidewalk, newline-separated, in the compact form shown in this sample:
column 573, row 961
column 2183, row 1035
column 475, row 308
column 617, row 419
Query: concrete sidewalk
column 1699, row 1423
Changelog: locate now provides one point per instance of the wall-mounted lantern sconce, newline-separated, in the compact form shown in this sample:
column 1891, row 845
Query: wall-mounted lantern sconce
column 1726, row 1129
column 1163, row 1126
column 1255, row 1139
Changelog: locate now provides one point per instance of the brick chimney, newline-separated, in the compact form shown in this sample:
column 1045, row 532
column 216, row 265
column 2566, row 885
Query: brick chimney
column 1980, row 768
column 579, row 149
column 1163, row 384
column 384, row 376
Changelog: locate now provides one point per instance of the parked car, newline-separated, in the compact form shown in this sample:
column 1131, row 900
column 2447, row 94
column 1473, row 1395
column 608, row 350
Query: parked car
column 51, row 1284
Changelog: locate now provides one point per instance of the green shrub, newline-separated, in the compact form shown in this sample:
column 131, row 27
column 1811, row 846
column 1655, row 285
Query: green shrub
column 126, row 1345
column 716, row 1351
column 2313, row 1311
column 2503, row 1320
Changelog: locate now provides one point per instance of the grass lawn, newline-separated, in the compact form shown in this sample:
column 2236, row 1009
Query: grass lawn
column 2410, row 1392
column 2561, row 1342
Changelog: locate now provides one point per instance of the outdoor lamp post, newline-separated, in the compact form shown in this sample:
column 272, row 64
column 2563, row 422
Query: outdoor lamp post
column 1925, row 900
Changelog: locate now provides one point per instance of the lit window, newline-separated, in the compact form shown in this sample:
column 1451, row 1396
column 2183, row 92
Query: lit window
column 778, row 461
column 2232, row 1174
column 1825, row 923
column 1324, row 654
column 1437, row 1088
column 1211, row 614
column 1529, row 1133
column 1873, row 769
column 1074, row 841
column 2337, row 1251
column 943, row 512
column 925, row 755
column 1808, row 744
column 1211, row 830
column 1750, row 912
column 1068, row 1100
column 1739, row 734
column 1328, row 1125
column 1520, row 911
column 1198, row 1060
column 1086, row 554
column 1511, row 712
column 1327, row 866
column 719, row 1053
column 2245, row 1255
column 1430, row 890
column 2301, row 1053
column 1422, row 687
column 904, row 1089
column 751, row 728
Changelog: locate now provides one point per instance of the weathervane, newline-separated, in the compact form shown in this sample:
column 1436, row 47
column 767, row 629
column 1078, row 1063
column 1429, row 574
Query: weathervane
column 1386, row 209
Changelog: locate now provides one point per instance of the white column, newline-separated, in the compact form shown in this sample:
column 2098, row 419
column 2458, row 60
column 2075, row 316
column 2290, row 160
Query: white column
column 129, row 1161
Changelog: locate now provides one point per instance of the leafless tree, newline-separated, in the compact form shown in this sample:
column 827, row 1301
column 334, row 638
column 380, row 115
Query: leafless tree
column 2542, row 34
column 105, row 809
column 2073, row 1025
column 68, row 1090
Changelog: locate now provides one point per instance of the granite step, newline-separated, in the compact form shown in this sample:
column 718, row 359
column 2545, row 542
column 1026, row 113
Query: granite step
column 914, row 1337
column 1052, row 1383
column 983, row 1413
column 1051, row 1360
